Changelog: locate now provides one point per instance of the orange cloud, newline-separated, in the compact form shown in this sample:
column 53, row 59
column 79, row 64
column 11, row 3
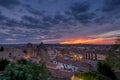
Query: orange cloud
column 89, row 41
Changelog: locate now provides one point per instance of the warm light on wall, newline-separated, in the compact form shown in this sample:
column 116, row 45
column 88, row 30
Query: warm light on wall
column 74, row 56
column 81, row 57
column 27, row 56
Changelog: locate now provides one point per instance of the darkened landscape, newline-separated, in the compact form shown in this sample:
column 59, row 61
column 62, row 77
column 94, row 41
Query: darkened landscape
column 59, row 39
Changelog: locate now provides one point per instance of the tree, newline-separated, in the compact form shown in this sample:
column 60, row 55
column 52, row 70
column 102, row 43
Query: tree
column 3, row 64
column 25, row 71
column 2, row 48
column 104, row 69
column 45, row 73
column 22, row 61
column 113, row 55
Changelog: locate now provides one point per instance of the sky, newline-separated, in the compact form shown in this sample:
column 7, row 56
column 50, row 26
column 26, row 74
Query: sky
column 59, row 21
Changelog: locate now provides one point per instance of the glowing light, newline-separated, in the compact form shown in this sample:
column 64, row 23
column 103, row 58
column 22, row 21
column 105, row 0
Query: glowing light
column 81, row 57
column 74, row 56
column 27, row 56
column 77, row 57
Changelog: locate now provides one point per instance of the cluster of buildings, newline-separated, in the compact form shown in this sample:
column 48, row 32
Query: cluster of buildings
column 69, row 59
column 64, row 60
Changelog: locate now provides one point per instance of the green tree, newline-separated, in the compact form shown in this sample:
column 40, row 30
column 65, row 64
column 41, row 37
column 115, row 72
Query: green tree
column 104, row 69
column 44, row 70
column 113, row 56
column 25, row 71
column 3, row 63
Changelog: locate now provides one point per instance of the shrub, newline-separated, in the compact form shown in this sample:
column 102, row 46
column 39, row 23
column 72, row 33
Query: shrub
column 3, row 63
column 104, row 69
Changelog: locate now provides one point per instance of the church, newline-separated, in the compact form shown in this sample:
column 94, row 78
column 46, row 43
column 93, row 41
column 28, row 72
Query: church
column 39, row 52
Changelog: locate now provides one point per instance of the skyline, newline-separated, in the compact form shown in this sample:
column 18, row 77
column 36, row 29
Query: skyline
column 59, row 21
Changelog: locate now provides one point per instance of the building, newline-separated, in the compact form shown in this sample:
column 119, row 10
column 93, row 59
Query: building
column 39, row 51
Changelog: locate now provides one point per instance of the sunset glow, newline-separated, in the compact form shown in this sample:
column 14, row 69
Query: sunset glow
column 89, row 41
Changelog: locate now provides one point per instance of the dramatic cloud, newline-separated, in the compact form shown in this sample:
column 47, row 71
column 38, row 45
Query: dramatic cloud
column 78, row 8
column 29, row 19
column 111, row 5
column 9, row 3
column 85, row 18
column 33, row 11
column 59, row 21
column 2, row 18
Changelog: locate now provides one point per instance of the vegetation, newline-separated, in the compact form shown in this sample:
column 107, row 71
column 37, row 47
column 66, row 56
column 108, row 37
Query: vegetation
column 113, row 59
column 3, row 64
column 104, row 69
column 1, row 48
column 113, row 56
column 25, row 70
column 22, row 61
column 90, row 76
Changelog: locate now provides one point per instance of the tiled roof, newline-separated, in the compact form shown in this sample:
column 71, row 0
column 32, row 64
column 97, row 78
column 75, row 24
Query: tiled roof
column 60, row 74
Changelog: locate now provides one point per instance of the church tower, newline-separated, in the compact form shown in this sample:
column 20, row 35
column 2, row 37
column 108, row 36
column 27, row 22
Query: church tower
column 42, row 51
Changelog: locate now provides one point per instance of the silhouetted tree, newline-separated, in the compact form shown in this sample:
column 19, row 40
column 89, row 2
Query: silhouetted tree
column 113, row 56
column 22, row 61
column 104, row 69
column 2, row 48
column 3, row 63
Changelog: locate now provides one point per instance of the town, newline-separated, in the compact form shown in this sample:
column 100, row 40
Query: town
column 59, row 39
column 62, row 59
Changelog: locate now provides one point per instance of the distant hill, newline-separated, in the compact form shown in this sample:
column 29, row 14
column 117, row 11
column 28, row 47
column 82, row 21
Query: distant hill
column 83, row 45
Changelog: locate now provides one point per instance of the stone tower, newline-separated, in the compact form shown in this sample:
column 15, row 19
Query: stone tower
column 42, row 51
column 39, row 52
column 29, row 48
